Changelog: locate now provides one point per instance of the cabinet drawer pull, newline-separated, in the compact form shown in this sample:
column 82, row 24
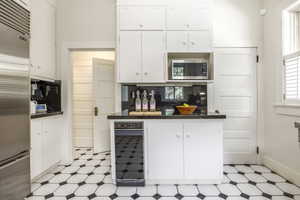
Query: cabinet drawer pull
column 177, row 135
column 146, row 73
column 137, row 73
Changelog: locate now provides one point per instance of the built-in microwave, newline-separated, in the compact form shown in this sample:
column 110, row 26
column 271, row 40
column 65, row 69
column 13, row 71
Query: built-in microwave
column 190, row 69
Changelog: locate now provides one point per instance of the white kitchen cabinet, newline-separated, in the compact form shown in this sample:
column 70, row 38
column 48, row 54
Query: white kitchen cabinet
column 36, row 154
column 141, row 56
column 46, row 146
column 199, row 41
column 42, row 42
column 203, row 149
column 189, row 41
column 190, row 15
column 153, row 56
column 51, row 141
column 141, row 18
column 177, row 41
column 165, row 153
column 130, row 56
column 184, row 151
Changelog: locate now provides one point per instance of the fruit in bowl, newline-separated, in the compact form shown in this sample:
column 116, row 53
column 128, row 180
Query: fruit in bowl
column 186, row 109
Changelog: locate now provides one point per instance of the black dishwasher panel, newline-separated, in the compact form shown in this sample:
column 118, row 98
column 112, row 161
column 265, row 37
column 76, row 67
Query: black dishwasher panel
column 129, row 151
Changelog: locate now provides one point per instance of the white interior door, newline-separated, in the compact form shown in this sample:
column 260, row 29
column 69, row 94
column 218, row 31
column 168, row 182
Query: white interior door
column 104, row 90
column 236, row 95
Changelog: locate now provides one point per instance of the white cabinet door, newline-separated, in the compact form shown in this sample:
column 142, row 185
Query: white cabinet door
column 177, row 17
column 36, row 154
column 42, row 42
column 153, row 43
column 200, row 41
column 199, row 19
column 141, row 18
column 165, row 153
column 51, row 141
column 130, row 56
column 130, row 18
column 177, row 41
column 203, row 150
column 153, row 18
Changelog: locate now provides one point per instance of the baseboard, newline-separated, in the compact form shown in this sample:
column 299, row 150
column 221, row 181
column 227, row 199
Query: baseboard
column 283, row 170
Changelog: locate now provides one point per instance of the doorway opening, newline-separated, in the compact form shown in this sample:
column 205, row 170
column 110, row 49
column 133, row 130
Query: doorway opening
column 93, row 97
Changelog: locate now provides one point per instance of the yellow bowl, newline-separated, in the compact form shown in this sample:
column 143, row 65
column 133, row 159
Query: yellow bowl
column 186, row 110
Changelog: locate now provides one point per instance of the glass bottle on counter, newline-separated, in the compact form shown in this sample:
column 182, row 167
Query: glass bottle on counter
column 138, row 102
column 152, row 102
column 145, row 102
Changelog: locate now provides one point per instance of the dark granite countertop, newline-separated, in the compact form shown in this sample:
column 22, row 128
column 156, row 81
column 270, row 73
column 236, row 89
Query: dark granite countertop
column 41, row 115
column 163, row 116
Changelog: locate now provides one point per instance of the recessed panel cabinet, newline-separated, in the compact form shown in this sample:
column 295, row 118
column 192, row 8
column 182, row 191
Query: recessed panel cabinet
column 141, row 18
column 42, row 41
column 141, row 56
column 189, row 41
column 45, row 144
column 189, row 152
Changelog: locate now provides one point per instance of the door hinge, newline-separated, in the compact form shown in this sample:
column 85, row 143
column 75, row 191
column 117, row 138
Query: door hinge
column 257, row 58
column 96, row 111
column 257, row 150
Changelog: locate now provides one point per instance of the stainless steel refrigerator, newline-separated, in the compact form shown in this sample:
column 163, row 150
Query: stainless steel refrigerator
column 14, row 101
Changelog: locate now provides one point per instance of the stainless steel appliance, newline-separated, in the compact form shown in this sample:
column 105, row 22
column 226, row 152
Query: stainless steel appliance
column 14, row 102
column 190, row 69
column 14, row 29
column 129, row 151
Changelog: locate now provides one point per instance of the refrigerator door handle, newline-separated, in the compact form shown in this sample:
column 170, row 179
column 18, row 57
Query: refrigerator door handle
column 18, row 158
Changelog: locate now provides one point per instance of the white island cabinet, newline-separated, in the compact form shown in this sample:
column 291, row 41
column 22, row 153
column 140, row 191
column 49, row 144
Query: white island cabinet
column 180, row 151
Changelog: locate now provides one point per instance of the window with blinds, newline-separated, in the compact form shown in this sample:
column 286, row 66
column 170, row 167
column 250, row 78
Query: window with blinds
column 291, row 56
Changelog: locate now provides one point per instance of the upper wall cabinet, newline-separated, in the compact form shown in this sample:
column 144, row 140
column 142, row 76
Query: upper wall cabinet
column 141, row 18
column 141, row 56
column 189, row 41
column 42, row 43
column 189, row 15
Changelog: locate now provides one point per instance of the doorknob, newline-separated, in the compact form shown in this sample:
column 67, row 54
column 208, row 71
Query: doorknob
column 96, row 111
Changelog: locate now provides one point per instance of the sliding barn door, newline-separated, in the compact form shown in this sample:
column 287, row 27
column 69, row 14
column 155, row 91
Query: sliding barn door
column 236, row 95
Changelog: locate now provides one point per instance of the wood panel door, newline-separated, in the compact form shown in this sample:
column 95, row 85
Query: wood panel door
column 236, row 95
column 104, row 100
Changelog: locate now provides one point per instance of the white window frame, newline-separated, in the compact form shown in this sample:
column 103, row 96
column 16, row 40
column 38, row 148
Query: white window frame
column 290, row 51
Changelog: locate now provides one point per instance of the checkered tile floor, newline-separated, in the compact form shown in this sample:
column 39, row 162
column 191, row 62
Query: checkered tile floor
column 88, row 177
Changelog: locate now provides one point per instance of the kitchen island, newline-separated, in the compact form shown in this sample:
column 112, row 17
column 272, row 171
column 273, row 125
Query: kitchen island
column 175, row 149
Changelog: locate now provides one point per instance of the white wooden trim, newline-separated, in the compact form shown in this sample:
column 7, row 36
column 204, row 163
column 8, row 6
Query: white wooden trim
column 67, row 91
column 283, row 170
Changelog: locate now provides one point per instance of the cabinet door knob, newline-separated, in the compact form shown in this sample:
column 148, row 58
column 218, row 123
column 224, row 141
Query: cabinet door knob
column 187, row 25
column 177, row 135
column 137, row 73
column 184, row 43
column 141, row 25
column 193, row 43
column 188, row 136
column 39, row 67
column 146, row 73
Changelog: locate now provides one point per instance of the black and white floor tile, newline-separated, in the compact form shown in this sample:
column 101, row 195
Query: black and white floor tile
column 89, row 177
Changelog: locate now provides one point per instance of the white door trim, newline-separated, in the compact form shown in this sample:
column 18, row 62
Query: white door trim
column 66, row 71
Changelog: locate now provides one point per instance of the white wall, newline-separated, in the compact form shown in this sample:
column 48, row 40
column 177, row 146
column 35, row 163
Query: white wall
column 281, row 150
column 80, row 24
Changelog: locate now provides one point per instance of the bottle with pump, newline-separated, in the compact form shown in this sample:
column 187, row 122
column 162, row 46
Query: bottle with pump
column 145, row 102
column 138, row 102
column 152, row 102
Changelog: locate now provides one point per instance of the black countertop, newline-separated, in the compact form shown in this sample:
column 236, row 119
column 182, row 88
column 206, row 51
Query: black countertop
column 41, row 115
column 125, row 115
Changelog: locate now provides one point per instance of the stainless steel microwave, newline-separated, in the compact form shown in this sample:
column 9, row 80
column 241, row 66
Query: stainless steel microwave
column 190, row 69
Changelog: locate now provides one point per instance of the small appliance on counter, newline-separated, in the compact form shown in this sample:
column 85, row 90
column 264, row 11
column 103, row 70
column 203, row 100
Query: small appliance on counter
column 45, row 96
